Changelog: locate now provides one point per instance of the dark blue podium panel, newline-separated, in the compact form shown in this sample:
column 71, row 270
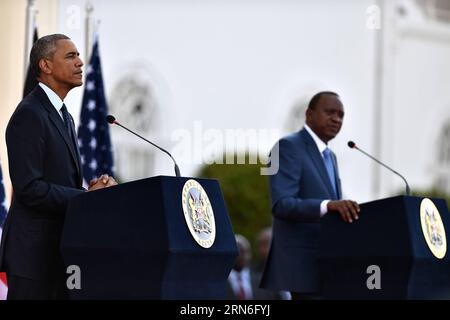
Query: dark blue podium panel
column 387, row 241
column 132, row 241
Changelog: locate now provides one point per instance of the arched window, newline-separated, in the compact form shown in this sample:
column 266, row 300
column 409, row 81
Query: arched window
column 133, row 104
column 443, row 158
column 296, row 117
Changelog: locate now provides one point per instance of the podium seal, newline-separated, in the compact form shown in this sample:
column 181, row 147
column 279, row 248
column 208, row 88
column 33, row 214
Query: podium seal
column 433, row 228
column 198, row 213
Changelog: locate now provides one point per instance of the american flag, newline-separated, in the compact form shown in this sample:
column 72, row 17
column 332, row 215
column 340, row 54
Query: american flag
column 3, row 210
column 93, row 131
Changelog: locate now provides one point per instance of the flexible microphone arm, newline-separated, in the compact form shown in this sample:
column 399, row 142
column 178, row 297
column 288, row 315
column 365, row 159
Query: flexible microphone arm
column 112, row 120
column 352, row 145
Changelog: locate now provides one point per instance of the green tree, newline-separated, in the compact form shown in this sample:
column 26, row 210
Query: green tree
column 246, row 194
column 433, row 193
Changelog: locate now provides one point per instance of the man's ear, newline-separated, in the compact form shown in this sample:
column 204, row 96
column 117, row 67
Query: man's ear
column 45, row 66
column 308, row 114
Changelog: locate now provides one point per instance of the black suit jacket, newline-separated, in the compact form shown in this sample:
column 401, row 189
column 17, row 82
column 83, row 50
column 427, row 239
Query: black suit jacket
column 45, row 170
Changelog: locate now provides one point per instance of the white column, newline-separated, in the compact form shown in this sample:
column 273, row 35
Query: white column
column 385, row 98
column 29, row 31
column 378, row 98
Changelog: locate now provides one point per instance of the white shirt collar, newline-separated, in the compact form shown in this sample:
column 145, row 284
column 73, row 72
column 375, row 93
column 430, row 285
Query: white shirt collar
column 245, row 274
column 245, row 280
column 319, row 143
column 53, row 97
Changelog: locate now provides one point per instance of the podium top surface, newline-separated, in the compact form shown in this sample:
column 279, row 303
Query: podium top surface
column 393, row 227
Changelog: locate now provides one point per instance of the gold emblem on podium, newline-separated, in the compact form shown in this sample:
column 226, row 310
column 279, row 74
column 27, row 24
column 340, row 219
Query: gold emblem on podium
column 198, row 213
column 433, row 228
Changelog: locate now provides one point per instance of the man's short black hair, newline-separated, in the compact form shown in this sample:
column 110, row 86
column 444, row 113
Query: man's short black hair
column 315, row 100
column 44, row 48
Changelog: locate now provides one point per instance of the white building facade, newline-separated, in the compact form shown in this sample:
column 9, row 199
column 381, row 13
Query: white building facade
column 187, row 73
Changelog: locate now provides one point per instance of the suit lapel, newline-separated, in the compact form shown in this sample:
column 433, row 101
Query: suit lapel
column 56, row 120
column 317, row 159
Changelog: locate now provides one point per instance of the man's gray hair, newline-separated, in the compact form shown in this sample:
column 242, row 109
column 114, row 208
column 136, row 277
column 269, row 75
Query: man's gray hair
column 44, row 48
column 243, row 243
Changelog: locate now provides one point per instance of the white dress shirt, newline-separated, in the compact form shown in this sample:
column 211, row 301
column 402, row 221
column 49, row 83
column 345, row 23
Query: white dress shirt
column 233, row 278
column 54, row 99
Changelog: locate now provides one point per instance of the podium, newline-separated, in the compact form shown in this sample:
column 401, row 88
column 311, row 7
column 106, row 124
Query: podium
column 385, row 254
column 133, row 241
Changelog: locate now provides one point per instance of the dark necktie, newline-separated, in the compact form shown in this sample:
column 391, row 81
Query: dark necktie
column 68, row 124
column 330, row 168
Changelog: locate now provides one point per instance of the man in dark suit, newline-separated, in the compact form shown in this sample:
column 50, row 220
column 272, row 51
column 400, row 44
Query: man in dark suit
column 305, row 188
column 243, row 281
column 240, row 285
column 45, row 170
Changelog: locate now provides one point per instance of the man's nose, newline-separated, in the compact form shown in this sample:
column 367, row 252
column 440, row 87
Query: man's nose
column 337, row 118
column 80, row 63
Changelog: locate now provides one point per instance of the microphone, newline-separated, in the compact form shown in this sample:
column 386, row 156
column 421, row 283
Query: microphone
column 111, row 120
column 352, row 145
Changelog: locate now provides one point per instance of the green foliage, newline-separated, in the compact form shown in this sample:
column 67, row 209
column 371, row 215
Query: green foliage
column 432, row 193
column 246, row 194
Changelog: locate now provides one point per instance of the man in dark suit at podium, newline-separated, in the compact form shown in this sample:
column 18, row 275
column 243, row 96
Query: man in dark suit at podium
column 243, row 281
column 45, row 170
column 305, row 188
column 240, row 284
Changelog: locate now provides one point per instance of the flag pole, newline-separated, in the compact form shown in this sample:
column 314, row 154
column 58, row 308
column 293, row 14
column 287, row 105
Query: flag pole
column 29, row 32
column 89, row 23
column 96, row 29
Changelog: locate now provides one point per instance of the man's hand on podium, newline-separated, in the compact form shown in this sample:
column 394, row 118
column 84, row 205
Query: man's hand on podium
column 348, row 209
column 104, row 181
